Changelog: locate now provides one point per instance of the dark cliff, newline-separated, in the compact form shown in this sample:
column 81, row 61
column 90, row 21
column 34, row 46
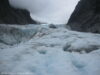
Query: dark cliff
column 9, row 15
column 86, row 16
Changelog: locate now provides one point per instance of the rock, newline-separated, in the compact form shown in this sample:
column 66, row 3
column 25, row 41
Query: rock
column 52, row 26
column 10, row 15
column 86, row 16
column 88, row 49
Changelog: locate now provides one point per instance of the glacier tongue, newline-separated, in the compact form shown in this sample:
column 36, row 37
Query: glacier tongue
column 53, row 51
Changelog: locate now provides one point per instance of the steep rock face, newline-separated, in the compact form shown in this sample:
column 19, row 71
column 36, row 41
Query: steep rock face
column 9, row 15
column 86, row 16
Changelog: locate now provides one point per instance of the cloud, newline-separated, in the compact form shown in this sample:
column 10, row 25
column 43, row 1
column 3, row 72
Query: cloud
column 47, row 11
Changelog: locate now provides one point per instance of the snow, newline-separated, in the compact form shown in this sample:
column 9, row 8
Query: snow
column 48, row 53
column 47, row 11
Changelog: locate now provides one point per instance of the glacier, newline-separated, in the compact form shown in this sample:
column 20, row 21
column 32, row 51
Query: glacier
column 51, row 51
column 49, row 48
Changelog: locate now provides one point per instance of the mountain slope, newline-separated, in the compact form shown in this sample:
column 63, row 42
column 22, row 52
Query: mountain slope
column 86, row 16
column 9, row 15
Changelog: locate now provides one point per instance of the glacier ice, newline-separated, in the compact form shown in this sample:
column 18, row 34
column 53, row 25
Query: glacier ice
column 43, row 54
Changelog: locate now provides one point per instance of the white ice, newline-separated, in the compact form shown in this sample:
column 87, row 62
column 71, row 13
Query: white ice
column 44, row 54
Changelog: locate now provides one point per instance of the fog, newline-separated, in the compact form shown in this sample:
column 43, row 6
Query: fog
column 47, row 11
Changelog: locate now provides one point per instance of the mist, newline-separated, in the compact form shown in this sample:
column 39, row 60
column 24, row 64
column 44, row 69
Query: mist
column 47, row 11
